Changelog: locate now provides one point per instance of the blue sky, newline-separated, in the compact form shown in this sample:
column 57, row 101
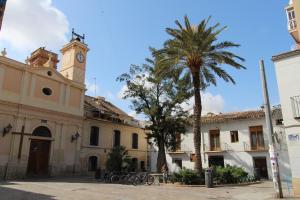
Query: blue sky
column 119, row 33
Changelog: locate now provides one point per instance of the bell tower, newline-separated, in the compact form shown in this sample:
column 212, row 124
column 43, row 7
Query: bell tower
column 74, row 58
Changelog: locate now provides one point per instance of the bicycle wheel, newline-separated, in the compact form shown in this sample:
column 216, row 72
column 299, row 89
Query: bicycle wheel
column 150, row 180
column 114, row 178
column 136, row 180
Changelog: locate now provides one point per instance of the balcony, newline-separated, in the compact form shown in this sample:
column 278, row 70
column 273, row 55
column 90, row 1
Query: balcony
column 296, row 106
column 221, row 147
column 183, row 149
column 254, row 148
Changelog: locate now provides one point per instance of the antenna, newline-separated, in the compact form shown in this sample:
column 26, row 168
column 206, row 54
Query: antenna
column 77, row 36
column 95, row 82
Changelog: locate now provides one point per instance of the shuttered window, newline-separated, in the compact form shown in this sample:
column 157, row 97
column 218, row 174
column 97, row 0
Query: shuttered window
column 135, row 141
column 94, row 136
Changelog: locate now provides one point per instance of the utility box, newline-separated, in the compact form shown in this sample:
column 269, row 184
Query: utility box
column 209, row 178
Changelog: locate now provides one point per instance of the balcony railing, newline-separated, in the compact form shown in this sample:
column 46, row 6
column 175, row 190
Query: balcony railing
column 248, row 147
column 296, row 106
column 183, row 149
column 221, row 148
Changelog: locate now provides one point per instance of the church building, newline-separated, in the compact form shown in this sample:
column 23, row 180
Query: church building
column 49, row 127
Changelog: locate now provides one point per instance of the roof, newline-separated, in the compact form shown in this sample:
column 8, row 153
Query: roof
column 232, row 116
column 99, row 103
column 286, row 55
column 99, row 108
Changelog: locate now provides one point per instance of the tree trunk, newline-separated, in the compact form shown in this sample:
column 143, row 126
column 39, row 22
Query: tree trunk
column 197, row 122
column 161, row 157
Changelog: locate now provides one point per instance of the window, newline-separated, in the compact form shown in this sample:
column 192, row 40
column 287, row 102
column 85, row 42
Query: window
column 257, row 138
column 291, row 19
column 41, row 131
column 134, row 166
column 94, row 136
column 117, row 138
column 135, row 141
column 193, row 157
column 47, row 91
column 234, row 135
column 178, row 142
column 215, row 140
column 143, row 169
column 296, row 106
column 92, row 163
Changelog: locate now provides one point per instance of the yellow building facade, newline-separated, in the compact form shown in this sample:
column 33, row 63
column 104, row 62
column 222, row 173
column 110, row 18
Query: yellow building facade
column 48, row 126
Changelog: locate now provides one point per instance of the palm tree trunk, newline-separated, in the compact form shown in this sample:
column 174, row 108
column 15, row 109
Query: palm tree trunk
column 161, row 157
column 197, row 122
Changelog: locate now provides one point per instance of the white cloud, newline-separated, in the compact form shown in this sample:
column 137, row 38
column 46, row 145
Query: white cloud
column 210, row 103
column 110, row 96
column 133, row 114
column 29, row 24
column 92, row 88
column 121, row 93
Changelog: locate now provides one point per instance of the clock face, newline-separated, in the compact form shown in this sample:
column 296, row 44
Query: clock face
column 80, row 57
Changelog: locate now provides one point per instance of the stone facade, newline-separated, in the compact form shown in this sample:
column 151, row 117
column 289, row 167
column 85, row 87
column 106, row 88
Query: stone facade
column 41, row 106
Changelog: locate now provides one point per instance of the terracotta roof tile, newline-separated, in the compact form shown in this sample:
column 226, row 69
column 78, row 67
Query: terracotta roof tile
column 225, row 117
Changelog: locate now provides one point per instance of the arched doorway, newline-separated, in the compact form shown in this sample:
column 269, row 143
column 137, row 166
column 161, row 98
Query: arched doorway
column 38, row 161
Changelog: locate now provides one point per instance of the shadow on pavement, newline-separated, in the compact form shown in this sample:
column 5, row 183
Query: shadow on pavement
column 54, row 179
column 14, row 194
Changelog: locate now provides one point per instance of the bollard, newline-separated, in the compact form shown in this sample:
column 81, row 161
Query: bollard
column 209, row 178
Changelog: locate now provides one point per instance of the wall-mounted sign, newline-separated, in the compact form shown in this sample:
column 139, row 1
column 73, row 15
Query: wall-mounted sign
column 294, row 138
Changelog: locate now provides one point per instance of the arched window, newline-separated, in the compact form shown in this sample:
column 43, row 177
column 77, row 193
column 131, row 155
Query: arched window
column 93, row 160
column 135, row 141
column 42, row 131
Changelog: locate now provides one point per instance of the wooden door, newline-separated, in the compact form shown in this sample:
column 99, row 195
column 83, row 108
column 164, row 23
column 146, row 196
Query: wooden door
column 38, row 161
column 257, row 138
column 214, row 140
column 261, row 164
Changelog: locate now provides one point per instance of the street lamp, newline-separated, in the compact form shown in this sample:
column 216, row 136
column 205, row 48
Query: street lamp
column 75, row 137
column 7, row 129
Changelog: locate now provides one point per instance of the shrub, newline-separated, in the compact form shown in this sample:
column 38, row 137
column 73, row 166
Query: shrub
column 118, row 160
column 229, row 174
column 187, row 176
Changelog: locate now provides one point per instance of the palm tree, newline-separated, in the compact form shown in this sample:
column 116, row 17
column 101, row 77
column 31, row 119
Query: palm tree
column 196, row 51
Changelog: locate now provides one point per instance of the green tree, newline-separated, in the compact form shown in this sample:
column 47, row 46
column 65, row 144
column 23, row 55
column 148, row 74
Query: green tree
column 159, row 99
column 118, row 160
column 194, row 50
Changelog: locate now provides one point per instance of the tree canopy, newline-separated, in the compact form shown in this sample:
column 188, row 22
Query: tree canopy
column 158, row 97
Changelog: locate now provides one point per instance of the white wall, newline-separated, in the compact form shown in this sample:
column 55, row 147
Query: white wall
column 235, row 155
column 288, row 79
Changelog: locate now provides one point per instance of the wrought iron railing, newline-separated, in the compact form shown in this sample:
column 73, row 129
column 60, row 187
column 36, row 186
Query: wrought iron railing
column 248, row 147
column 217, row 148
column 296, row 106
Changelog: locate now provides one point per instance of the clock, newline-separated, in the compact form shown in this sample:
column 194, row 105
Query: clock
column 80, row 57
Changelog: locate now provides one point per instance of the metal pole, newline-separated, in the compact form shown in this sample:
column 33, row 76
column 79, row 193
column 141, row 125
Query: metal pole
column 273, row 155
